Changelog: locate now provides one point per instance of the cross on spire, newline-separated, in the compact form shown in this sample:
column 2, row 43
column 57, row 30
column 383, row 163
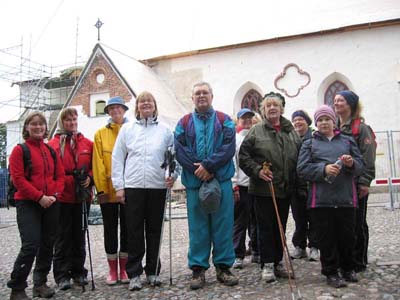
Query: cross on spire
column 98, row 25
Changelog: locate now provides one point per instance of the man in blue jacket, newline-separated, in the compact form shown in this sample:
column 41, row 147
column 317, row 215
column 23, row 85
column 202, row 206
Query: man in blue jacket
column 205, row 146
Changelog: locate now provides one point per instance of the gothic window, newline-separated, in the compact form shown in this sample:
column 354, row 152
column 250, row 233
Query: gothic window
column 100, row 107
column 252, row 100
column 331, row 91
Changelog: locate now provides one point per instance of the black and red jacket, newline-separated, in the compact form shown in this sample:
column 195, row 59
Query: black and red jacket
column 80, row 157
column 42, row 180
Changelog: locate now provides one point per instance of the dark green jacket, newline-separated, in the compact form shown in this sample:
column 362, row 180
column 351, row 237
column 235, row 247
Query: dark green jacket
column 366, row 143
column 264, row 143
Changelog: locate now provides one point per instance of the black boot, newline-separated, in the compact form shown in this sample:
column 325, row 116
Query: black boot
column 43, row 291
column 18, row 295
column 335, row 281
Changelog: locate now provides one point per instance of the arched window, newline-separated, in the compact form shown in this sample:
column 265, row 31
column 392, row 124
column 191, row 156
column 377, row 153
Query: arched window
column 331, row 91
column 252, row 100
column 100, row 107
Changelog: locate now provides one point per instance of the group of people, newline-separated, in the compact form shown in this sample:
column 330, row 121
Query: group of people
column 123, row 163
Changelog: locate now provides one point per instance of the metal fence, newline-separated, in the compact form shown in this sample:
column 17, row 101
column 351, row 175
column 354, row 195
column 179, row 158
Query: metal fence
column 384, row 189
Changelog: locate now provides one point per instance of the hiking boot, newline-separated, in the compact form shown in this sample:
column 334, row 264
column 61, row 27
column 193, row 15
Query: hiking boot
column 153, row 280
column 43, row 291
column 350, row 276
column 135, row 284
column 281, row 272
column 335, row 281
column 81, row 280
column 267, row 273
column 18, row 295
column 225, row 276
column 64, row 284
column 238, row 264
column 255, row 259
column 314, row 254
column 299, row 253
column 198, row 279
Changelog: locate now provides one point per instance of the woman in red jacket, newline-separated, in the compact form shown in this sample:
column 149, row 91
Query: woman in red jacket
column 76, row 154
column 37, row 208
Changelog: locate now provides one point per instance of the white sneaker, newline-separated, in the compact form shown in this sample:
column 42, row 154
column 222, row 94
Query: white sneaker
column 135, row 284
column 238, row 264
column 314, row 254
column 268, row 273
column 153, row 280
column 299, row 253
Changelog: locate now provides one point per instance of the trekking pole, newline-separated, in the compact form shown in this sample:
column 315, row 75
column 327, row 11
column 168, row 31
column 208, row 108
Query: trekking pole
column 85, row 227
column 288, row 262
column 169, row 165
column 169, row 198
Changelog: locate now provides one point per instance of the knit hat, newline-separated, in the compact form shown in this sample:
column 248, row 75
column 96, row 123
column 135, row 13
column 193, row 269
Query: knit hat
column 324, row 110
column 351, row 99
column 244, row 111
column 115, row 100
column 302, row 114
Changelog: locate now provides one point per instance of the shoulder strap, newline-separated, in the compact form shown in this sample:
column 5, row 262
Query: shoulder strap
column 54, row 156
column 26, row 154
column 185, row 120
column 220, row 117
column 355, row 127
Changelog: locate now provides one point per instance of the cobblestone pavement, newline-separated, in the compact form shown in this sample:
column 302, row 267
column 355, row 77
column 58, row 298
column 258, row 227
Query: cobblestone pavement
column 380, row 281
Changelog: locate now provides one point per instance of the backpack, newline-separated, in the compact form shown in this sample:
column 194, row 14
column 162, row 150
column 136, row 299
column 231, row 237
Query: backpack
column 355, row 131
column 28, row 171
column 186, row 118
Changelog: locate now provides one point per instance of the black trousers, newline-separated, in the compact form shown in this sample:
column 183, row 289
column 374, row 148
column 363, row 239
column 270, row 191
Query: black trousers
column 269, row 240
column 252, row 227
column 70, row 246
column 362, row 235
column 144, row 209
column 112, row 212
column 335, row 238
column 241, row 222
column 37, row 228
column 304, row 228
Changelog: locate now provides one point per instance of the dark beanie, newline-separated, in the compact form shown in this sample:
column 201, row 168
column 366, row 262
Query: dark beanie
column 303, row 114
column 351, row 99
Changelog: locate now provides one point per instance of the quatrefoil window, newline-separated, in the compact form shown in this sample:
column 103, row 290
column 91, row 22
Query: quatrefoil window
column 292, row 80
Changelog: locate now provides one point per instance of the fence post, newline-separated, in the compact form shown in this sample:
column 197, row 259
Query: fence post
column 389, row 139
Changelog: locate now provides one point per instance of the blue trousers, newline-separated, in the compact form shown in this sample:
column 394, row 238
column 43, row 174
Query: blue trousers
column 208, row 231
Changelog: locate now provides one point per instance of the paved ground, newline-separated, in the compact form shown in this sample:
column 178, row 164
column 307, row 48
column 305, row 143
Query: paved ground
column 380, row 281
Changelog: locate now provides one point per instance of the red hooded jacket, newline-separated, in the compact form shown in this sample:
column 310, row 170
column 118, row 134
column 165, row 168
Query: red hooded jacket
column 80, row 157
column 42, row 177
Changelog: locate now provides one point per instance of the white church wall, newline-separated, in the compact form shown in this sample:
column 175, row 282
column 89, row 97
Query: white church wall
column 368, row 59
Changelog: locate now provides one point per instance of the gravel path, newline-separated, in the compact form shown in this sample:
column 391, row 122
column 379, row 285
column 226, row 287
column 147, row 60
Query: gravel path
column 380, row 281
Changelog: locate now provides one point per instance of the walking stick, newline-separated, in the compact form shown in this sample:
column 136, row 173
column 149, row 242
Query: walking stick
column 288, row 261
column 169, row 165
column 85, row 227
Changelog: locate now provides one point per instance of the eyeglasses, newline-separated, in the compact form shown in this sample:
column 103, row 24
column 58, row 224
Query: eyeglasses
column 200, row 93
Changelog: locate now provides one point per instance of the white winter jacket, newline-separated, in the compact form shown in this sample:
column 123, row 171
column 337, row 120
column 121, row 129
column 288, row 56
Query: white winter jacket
column 240, row 178
column 138, row 154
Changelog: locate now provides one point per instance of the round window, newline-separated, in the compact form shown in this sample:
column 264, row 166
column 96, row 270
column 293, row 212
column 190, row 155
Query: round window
column 100, row 78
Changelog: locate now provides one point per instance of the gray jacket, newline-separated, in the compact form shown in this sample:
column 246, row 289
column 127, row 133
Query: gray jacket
column 315, row 154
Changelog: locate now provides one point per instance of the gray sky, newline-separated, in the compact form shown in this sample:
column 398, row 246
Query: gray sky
column 59, row 32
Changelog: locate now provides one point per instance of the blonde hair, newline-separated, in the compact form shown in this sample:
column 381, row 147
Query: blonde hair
column 143, row 95
column 270, row 99
column 29, row 118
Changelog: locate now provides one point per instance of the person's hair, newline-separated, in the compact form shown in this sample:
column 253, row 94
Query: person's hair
column 201, row 83
column 64, row 113
column 270, row 99
column 356, row 114
column 141, row 96
column 29, row 118
column 256, row 118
